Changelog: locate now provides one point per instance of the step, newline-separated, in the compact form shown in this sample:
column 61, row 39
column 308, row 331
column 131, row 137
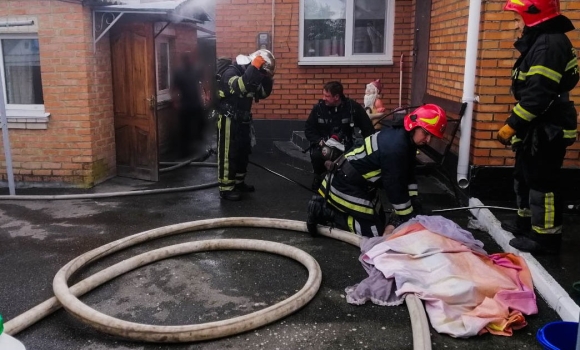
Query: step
column 296, row 158
column 299, row 139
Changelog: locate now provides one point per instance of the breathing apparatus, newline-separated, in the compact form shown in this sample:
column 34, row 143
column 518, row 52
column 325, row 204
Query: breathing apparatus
column 332, row 148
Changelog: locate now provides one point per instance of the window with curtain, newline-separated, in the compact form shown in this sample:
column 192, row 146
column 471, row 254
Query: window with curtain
column 20, row 63
column 346, row 31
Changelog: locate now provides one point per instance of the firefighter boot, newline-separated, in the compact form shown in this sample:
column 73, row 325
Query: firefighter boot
column 534, row 242
column 518, row 226
column 230, row 195
column 244, row 188
column 317, row 214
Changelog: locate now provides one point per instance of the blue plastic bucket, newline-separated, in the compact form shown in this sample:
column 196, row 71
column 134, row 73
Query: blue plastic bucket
column 558, row 335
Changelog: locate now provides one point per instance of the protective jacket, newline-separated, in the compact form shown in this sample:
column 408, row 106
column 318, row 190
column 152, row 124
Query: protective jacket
column 541, row 79
column 239, row 87
column 325, row 121
column 386, row 159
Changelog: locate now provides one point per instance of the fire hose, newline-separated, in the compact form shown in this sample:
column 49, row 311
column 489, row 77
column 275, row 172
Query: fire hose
column 67, row 297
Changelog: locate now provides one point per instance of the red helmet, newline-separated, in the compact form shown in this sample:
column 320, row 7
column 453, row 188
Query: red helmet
column 430, row 117
column 534, row 11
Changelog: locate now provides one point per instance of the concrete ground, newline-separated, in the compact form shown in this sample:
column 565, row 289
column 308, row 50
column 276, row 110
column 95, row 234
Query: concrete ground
column 38, row 237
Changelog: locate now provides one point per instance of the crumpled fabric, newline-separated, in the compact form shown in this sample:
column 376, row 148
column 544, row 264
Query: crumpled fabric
column 466, row 292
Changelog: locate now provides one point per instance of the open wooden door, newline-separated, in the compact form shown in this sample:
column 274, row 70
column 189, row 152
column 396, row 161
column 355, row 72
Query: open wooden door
column 134, row 96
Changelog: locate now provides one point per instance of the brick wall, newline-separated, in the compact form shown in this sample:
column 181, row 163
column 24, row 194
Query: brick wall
column 77, row 148
column 496, row 56
column 298, row 88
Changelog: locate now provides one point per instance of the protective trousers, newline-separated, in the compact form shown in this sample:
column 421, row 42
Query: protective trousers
column 317, row 160
column 537, row 179
column 360, row 226
column 322, row 213
column 234, row 148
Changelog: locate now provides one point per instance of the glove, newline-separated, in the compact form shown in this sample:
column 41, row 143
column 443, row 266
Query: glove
column 505, row 134
column 258, row 62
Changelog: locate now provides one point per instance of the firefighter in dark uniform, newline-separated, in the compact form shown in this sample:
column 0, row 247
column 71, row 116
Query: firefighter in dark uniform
column 542, row 123
column 249, row 78
column 334, row 116
column 348, row 196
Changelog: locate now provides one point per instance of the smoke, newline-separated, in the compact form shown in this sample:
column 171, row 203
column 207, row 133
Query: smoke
column 194, row 9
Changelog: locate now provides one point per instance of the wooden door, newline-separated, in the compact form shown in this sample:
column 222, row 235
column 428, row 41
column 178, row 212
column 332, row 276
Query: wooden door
column 134, row 96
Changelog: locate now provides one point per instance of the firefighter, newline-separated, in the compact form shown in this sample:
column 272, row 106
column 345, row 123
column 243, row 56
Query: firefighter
column 248, row 79
column 542, row 124
column 335, row 116
column 348, row 196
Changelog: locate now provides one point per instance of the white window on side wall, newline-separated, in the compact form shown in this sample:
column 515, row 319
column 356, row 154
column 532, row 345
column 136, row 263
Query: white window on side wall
column 346, row 32
column 20, row 75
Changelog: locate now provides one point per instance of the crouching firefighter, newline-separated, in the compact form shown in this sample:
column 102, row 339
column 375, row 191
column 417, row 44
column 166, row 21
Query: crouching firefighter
column 249, row 78
column 348, row 196
column 335, row 116
column 542, row 124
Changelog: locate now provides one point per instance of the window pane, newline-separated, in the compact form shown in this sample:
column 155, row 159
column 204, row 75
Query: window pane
column 22, row 71
column 324, row 27
column 369, row 26
column 162, row 66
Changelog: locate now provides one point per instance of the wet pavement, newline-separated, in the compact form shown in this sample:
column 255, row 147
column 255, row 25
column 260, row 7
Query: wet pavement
column 38, row 237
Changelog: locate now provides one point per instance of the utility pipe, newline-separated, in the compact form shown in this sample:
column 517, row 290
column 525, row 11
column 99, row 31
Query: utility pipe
column 4, row 120
column 420, row 326
column 468, row 92
column 273, row 26
column 401, row 81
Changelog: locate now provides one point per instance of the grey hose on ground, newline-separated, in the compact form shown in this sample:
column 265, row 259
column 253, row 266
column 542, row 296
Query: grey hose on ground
column 117, row 194
column 177, row 165
column 474, row 207
column 420, row 326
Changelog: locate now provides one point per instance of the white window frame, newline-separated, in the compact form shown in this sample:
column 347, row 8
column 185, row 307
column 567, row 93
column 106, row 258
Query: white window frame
column 19, row 111
column 348, row 58
column 165, row 94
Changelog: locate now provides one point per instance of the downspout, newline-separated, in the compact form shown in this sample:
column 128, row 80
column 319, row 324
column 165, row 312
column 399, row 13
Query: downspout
column 468, row 92
column 273, row 25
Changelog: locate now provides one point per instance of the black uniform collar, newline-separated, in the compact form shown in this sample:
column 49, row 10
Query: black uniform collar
column 558, row 24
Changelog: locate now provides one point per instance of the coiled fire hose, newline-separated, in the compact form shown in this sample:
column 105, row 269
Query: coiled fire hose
column 67, row 297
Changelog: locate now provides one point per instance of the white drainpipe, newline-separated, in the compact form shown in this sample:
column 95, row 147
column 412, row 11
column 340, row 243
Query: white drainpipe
column 468, row 92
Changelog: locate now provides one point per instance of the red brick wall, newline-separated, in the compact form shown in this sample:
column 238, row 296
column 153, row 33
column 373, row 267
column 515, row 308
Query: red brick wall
column 496, row 56
column 78, row 146
column 448, row 29
column 298, row 88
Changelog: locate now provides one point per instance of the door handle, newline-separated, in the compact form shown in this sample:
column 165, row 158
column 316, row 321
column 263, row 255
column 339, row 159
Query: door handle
column 152, row 102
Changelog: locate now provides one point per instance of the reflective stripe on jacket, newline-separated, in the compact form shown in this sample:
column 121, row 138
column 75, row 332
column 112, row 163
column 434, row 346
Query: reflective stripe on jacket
column 542, row 77
column 385, row 159
column 238, row 87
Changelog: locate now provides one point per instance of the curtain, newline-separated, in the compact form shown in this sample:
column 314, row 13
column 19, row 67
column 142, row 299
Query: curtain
column 22, row 71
